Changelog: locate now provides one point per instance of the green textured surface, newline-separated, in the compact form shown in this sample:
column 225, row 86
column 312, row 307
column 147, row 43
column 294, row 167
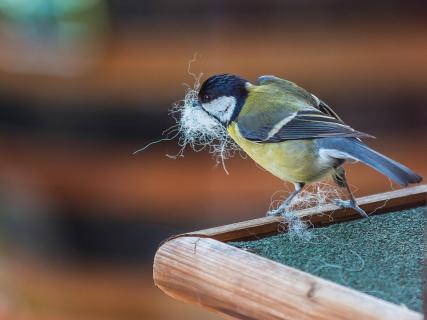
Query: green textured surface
column 381, row 256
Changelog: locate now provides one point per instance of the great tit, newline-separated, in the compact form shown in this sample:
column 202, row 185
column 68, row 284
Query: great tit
column 291, row 133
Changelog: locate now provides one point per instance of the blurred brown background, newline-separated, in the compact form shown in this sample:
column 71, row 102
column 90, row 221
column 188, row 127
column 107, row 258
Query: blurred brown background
column 84, row 83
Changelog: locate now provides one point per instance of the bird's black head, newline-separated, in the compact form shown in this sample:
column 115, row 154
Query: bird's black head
column 222, row 96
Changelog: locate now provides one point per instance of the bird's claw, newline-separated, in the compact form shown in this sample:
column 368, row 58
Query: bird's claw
column 349, row 204
column 281, row 211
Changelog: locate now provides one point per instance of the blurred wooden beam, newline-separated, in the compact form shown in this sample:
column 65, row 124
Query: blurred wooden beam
column 172, row 189
column 146, row 64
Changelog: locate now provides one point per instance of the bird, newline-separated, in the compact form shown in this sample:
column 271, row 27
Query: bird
column 292, row 134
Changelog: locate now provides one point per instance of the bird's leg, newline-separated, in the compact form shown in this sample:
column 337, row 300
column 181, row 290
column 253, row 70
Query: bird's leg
column 340, row 179
column 285, row 205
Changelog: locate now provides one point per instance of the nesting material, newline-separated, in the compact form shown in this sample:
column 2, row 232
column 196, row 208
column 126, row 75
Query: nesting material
column 314, row 195
column 194, row 128
column 381, row 256
column 199, row 131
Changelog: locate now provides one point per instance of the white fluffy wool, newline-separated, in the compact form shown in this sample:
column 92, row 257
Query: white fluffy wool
column 196, row 129
column 314, row 195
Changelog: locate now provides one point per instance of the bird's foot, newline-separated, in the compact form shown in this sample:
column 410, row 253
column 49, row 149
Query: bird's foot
column 351, row 204
column 285, row 213
column 281, row 211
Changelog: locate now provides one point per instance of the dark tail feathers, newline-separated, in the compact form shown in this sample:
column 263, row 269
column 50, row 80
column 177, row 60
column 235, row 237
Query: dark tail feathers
column 360, row 151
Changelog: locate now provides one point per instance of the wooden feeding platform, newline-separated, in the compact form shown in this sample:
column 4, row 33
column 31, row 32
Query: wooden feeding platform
column 228, row 269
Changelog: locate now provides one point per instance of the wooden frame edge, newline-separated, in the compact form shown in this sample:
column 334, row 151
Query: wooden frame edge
column 319, row 216
column 215, row 275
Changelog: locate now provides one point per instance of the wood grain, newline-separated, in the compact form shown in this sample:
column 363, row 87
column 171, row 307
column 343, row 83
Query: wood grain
column 242, row 285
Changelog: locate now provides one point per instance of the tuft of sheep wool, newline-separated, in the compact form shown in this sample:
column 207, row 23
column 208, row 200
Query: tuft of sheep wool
column 314, row 195
column 200, row 131
column 194, row 128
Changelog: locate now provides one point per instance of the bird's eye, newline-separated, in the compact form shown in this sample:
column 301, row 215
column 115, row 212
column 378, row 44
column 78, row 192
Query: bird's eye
column 206, row 97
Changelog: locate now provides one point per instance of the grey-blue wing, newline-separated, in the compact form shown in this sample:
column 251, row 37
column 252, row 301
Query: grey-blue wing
column 305, row 124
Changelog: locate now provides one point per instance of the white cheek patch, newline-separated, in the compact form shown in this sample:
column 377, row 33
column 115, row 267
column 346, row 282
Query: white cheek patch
column 221, row 108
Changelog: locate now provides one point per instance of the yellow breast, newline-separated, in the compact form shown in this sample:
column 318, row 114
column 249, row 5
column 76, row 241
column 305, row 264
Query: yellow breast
column 294, row 160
